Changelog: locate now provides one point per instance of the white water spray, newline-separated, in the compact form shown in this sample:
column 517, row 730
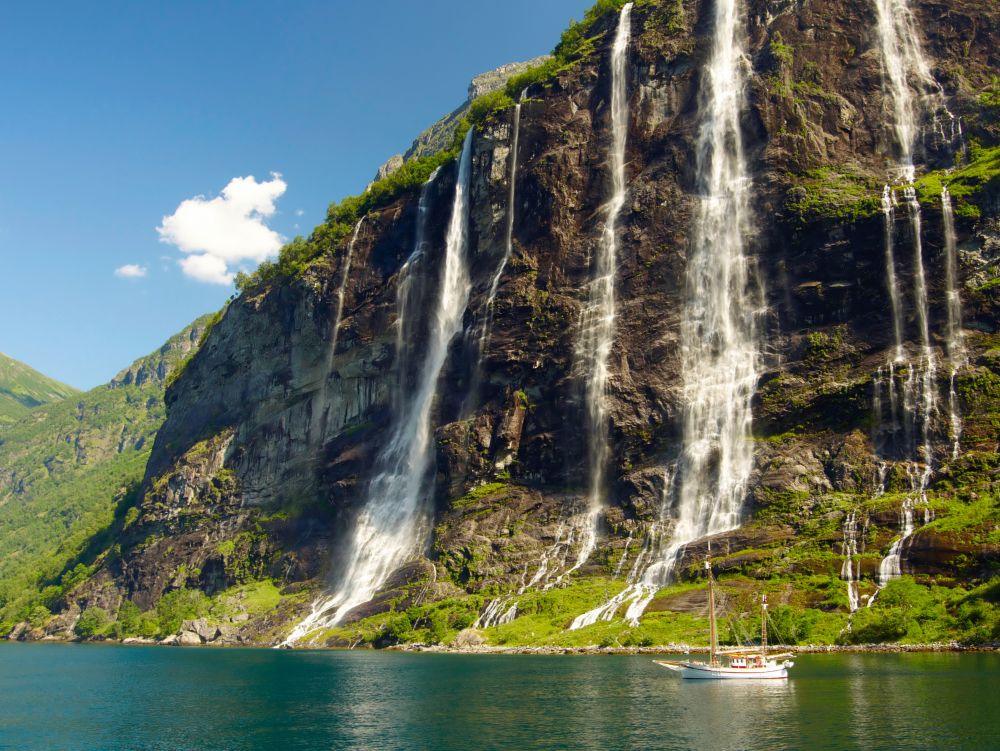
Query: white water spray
column 891, row 566
column 392, row 525
column 889, row 223
column 850, row 552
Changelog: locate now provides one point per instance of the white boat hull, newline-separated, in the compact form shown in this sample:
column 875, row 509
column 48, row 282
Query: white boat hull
column 704, row 671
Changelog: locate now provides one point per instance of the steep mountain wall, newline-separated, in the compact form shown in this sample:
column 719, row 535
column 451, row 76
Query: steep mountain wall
column 263, row 462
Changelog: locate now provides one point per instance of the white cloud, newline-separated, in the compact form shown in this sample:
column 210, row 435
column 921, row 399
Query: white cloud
column 207, row 268
column 299, row 212
column 130, row 271
column 228, row 230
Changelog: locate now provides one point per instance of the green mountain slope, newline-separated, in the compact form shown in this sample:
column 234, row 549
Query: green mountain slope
column 65, row 467
column 23, row 388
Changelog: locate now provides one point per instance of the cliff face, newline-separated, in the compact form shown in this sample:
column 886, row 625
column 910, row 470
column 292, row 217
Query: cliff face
column 271, row 437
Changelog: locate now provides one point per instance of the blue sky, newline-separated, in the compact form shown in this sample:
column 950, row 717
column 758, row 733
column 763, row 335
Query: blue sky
column 115, row 113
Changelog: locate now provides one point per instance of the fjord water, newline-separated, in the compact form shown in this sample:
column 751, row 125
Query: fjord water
column 84, row 698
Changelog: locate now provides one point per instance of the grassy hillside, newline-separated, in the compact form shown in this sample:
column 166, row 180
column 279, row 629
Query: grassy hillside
column 23, row 388
column 66, row 467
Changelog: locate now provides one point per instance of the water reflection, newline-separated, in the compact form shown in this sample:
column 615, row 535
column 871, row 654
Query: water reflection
column 118, row 699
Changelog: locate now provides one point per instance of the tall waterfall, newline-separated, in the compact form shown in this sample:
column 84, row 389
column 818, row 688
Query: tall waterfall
column 914, row 94
column 954, row 341
column 392, row 525
column 342, row 289
column 719, row 352
column 598, row 319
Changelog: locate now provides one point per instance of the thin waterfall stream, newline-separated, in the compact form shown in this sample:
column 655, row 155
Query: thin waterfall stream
column 954, row 340
column 392, row 525
column 342, row 289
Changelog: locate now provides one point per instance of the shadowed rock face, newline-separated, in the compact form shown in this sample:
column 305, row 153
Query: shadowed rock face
column 294, row 431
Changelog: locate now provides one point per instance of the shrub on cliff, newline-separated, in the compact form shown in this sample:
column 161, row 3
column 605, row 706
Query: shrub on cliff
column 93, row 623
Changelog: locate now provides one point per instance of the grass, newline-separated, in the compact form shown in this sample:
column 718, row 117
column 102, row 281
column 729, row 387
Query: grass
column 965, row 184
column 838, row 193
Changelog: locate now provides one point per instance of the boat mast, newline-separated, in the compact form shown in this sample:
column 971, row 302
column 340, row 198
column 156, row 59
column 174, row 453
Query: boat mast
column 712, row 636
column 763, row 625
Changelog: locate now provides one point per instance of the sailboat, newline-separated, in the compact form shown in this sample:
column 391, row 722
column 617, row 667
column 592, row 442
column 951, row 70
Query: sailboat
column 755, row 664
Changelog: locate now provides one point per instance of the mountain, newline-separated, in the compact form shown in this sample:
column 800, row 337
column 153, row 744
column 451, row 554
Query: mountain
column 722, row 283
column 66, row 468
column 23, row 388
column 441, row 134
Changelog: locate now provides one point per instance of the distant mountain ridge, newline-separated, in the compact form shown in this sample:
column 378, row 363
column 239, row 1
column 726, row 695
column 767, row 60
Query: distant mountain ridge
column 22, row 388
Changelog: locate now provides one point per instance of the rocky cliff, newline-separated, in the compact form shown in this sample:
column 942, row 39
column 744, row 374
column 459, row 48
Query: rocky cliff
column 263, row 464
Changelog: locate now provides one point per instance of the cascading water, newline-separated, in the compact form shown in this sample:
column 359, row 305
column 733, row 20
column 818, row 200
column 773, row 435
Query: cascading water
column 342, row 289
column 954, row 340
column 891, row 566
column 719, row 351
column 850, row 552
column 392, row 524
column 914, row 94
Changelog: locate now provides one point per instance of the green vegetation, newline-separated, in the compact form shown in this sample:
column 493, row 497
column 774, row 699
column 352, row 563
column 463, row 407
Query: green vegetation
column 966, row 184
column 75, row 466
column 23, row 388
column 780, row 51
column 833, row 193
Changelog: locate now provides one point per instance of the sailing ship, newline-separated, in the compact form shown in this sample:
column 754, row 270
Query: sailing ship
column 755, row 664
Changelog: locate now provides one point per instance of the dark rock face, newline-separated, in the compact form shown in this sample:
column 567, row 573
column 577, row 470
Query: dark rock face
column 289, row 425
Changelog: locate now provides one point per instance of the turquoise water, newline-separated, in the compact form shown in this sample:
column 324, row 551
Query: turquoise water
column 114, row 698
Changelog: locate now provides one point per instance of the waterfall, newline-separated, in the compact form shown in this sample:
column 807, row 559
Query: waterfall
column 719, row 354
column 392, row 525
column 515, row 137
column 341, row 290
column 410, row 298
column 904, row 66
column 954, row 341
column 850, row 552
column 891, row 566
column 914, row 94
column 597, row 324
column 485, row 327
column 889, row 223
column 718, row 333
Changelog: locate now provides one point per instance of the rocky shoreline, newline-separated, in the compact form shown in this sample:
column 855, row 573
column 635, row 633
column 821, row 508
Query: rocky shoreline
column 685, row 649
column 484, row 649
